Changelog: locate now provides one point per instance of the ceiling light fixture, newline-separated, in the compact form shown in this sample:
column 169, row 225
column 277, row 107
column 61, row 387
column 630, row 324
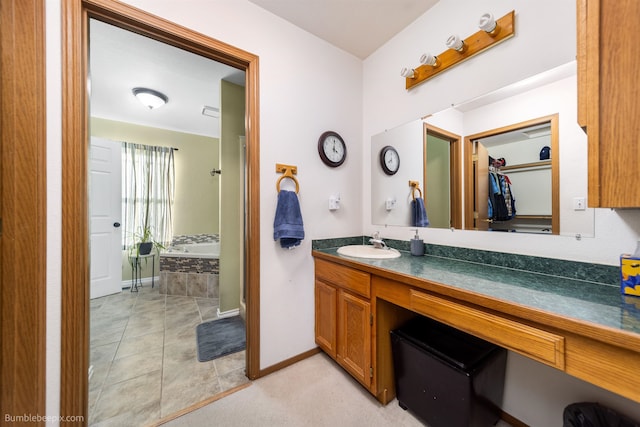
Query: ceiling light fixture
column 150, row 98
column 491, row 33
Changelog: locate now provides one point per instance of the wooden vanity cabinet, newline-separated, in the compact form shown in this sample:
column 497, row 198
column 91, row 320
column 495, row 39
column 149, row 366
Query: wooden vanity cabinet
column 343, row 317
column 357, row 305
column 609, row 98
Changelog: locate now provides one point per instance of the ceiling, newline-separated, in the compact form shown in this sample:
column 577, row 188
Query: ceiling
column 357, row 26
column 121, row 60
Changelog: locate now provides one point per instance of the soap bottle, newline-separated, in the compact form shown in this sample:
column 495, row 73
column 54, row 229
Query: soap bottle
column 417, row 245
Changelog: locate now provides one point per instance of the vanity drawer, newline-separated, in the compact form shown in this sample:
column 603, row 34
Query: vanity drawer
column 345, row 277
column 532, row 342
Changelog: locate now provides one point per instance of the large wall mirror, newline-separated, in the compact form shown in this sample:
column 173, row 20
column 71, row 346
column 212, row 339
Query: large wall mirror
column 550, row 194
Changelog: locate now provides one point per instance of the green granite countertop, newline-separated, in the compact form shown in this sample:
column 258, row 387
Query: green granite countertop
column 597, row 303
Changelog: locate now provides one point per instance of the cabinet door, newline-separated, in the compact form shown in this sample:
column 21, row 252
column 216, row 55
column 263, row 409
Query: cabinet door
column 354, row 336
column 326, row 317
column 609, row 103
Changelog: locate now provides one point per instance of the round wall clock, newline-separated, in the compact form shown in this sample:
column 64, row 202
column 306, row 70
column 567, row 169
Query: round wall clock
column 332, row 149
column 389, row 160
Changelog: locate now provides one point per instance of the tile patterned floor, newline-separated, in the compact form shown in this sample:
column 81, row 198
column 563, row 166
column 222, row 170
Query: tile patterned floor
column 143, row 353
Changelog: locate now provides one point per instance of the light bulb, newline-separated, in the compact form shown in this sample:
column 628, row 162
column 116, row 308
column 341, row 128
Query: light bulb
column 409, row 73
column 488, row 23
column 429, row 59
column 454, row 42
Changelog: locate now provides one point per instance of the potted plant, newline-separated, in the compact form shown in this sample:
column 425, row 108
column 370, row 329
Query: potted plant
column 144, row 243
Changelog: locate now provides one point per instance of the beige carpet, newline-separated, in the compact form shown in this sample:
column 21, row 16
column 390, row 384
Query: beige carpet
column 313, row 392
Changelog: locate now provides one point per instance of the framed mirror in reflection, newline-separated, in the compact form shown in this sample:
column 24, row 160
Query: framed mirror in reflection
column 439, row 149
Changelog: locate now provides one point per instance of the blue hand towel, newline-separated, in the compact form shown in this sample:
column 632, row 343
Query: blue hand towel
column 287, row 225
column 419, row 213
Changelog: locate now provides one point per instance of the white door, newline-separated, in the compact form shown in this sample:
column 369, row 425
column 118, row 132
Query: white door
column 105, row 199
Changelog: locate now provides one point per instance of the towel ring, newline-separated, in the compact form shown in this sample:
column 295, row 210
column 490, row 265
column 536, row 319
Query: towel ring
column 413, row 193
column 415, row 185
column 287, row 175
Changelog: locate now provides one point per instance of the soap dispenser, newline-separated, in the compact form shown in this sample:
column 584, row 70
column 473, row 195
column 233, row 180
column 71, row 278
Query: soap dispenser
column 417, row 245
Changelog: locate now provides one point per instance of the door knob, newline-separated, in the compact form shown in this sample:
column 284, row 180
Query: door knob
column 116, row 224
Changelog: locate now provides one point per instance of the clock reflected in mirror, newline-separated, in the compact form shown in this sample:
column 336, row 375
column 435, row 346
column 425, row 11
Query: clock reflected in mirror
column 389, row 160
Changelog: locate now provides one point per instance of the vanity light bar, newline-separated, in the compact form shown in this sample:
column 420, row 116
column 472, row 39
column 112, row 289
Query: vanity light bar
column 493, row 33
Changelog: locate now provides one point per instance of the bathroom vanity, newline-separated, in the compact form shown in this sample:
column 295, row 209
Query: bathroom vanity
column 586, row 329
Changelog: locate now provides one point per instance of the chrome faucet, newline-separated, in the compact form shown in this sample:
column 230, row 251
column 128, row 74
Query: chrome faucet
column 377, row 242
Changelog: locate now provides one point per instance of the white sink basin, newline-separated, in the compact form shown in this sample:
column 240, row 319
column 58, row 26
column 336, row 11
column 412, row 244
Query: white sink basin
column 368, row 251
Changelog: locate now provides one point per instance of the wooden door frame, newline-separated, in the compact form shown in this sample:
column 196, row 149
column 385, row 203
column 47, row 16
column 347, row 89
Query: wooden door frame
column 553, row 120
column 23, row 211
column 75, row 246
column 455, row 169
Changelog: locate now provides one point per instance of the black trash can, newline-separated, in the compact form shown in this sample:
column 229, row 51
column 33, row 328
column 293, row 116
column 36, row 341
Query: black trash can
column 446, row 377
column 592, row 414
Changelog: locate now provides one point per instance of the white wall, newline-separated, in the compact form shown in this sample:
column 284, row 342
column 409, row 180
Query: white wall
column 306, row 87
column 545, row 38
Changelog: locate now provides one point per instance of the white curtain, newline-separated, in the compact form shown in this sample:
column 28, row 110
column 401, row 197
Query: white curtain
column 148, row 185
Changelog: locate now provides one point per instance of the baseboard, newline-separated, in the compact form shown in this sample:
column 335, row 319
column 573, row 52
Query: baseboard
column 288, row 362
column 228, row 313
column 126, row 284
column 511, row 420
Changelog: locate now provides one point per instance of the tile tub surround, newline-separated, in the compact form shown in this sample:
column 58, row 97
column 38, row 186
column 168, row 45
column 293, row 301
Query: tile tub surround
column 186, row 239
column 198, row 277
column 202, row 285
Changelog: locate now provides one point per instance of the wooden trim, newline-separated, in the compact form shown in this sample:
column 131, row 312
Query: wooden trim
column 292, row 360
column 555, row 174
column 469, row 205
column 534, row 343
column 590, row 56
column 455, row 168
column 23, row 195
column 511, row 420
column 75, row 253
column 199, row 405
column 581, row 57
column 75, row 244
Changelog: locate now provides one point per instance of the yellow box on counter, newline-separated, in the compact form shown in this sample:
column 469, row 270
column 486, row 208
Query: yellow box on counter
column 630, row 275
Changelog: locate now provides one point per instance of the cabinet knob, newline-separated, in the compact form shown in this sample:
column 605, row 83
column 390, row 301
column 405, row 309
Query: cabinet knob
column 116, row 224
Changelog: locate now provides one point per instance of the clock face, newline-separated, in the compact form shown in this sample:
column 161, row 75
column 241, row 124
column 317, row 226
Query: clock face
column 332, row 149
column 389, row 160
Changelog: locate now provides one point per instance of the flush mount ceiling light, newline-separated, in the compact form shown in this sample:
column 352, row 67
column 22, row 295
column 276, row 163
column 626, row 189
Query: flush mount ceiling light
column 150, row 98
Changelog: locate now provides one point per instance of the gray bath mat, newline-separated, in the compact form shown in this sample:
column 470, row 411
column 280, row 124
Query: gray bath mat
column 220, row 337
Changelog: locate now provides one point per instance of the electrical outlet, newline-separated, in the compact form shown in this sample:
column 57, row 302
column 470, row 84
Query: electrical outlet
column 334, row 202
column 390, row 204
column 579, row 204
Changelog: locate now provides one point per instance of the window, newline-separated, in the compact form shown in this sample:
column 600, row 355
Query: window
column 148, row 185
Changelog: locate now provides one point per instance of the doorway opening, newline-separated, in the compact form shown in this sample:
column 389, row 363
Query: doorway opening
column 442, row 176
column 75, row 249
